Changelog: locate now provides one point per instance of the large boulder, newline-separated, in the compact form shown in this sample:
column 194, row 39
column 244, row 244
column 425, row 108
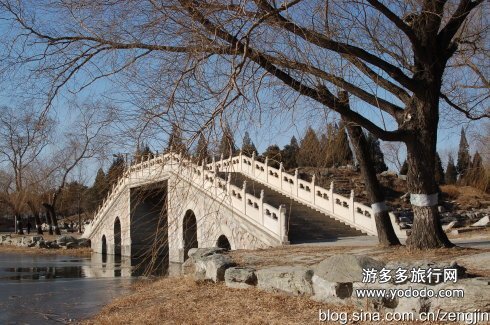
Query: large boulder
column 212, row 267
column 63, row 240
column 437, row 267
column 345, row 268
column 295, row 280
column 476, row 296
column 84, row 242
column 325, row 291
column 483, row 222
column 199, row 253
column 240, row 277
column 195, row 255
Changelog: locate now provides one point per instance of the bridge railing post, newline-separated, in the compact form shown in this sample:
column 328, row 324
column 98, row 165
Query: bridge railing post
column 266, row 169
column 253, row 163
column 296, row 185
column 281, row 167
column 332, row 200
column 283, row 225
column 313, row 190
column 351, row 205
column 244, row 197
column 240, row 162
column 261, row 207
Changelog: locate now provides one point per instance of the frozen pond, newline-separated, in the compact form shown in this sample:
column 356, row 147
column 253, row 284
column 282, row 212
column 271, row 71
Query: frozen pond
column 58, row 289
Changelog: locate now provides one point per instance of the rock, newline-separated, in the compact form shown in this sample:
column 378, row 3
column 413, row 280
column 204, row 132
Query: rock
column 325, row 291
column 212, row 267
column 425, row 265
column 188, row 267
column 71, row 245
column 84, row 242
column 41, row 244
column 199, row 253
column 483, row 222
column 240, row 277
column 66, row 239
column 476, row 296
column 450, row 226
column 345, row 268
column 290, row 279
column 479, row 261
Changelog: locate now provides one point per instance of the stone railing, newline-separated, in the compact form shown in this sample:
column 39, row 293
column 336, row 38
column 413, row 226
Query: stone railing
column 270, row 219
column 342, row 208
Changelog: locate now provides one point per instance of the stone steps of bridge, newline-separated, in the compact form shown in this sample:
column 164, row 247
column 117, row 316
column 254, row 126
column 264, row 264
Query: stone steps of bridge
column 305, row 223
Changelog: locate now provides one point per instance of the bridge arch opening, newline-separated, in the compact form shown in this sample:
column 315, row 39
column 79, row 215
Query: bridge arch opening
column 189, row 232
column 117, row 237
column 223, row 242
column 104, row 247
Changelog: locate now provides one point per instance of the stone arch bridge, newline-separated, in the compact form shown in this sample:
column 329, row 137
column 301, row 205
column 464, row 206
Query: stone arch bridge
column 166, row 205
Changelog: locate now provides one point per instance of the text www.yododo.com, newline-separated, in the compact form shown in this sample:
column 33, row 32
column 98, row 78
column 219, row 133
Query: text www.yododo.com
column 409, row 293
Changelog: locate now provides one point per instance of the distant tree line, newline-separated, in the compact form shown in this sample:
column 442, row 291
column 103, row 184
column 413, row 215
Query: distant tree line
column 468, row 171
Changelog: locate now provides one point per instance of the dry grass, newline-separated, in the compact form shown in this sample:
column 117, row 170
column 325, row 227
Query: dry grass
column 182, row 301
column 43, row 251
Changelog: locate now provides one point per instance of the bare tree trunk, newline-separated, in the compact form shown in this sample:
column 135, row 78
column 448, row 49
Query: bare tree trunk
column 18, row 224
column 51, row 211
column 427, row 230
column 384, row 227
column 37, row 218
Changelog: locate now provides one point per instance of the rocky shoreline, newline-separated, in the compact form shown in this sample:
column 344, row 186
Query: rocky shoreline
column 336, row 278
column 38, row 241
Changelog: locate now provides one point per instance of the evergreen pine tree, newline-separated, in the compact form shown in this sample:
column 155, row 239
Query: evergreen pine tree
column 146, row 153
column 342, row 151
column 439, row 171
column 309, row 149
column 464, row 158
column 404, row 168
column 98, row 191
column 227, row 146
column 248, row 147
column 273, row 153
column 376, row 153
column 289, row 154
column 451, row 172
column 116, row 170
column 202, row 152
column 176, row 142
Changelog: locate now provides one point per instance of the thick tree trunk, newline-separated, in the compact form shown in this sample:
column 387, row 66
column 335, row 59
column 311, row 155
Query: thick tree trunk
column 384, row 227
column 52, row 215
column 426, row 230
column 18, row 223
column 39, row 225
column 37, row 218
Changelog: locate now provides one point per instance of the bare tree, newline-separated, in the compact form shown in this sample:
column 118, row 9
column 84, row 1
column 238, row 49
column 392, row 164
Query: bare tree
column 404, row 60
column 85, row 140
column 24, row 133
column 384, row 227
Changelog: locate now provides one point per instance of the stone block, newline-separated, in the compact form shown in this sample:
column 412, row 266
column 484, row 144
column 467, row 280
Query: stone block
column 212, row 267
column 345, row 268
column 295, row 280
column 325, row 291
column 240, row 277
